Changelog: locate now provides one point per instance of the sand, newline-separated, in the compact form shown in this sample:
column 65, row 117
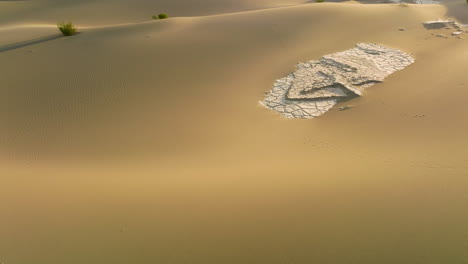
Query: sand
column 142, row 141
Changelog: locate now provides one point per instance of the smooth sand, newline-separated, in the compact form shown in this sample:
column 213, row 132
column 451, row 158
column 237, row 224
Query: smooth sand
column 145, row 143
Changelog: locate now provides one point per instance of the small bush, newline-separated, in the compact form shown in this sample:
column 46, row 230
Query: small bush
column 163, row 16
column 67, row 29
column 155, row 17
column 319, row 1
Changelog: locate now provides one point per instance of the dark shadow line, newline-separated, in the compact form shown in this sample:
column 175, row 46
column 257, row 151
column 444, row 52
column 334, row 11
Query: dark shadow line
column 28, row 43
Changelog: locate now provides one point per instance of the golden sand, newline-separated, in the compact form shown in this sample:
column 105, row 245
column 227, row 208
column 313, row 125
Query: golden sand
column 142, row 141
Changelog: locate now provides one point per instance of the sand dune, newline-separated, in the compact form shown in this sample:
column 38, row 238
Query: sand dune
column 118, row 11
column 143, row 141
column 168, row 63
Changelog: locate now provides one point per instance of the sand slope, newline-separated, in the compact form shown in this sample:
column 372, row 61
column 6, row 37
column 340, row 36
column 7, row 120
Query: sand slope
column 145, row 143
column 118, row 11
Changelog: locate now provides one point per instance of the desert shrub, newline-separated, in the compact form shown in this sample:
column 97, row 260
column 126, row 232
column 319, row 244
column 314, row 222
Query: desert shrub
column 319, row 1
column 67, row 29
column 155, row 17
column 163, row 16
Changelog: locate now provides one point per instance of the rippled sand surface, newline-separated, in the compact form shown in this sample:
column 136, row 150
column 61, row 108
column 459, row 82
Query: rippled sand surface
column 140, row 141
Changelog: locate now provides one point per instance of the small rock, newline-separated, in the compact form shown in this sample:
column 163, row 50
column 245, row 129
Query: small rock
column 439, row 24
column 402, row 29
column 441, row 36
column 343, row 108
column 456, row 33
column 436, row 24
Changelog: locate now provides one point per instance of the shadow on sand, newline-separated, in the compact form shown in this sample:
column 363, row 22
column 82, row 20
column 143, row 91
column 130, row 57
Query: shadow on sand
column 27, row 43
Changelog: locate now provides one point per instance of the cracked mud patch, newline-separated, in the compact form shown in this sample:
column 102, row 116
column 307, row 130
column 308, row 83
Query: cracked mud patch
column 316, row 86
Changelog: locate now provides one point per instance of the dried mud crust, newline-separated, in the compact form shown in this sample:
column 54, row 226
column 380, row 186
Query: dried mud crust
column 441, row 23
column 316, row 86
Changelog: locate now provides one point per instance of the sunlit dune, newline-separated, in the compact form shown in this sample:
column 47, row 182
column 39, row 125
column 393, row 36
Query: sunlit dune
column 143, row 141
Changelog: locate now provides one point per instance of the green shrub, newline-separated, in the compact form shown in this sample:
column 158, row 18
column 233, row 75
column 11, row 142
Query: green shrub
column 163, row 16
column 319, row 1
column 155, row 17
column 67, row 29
